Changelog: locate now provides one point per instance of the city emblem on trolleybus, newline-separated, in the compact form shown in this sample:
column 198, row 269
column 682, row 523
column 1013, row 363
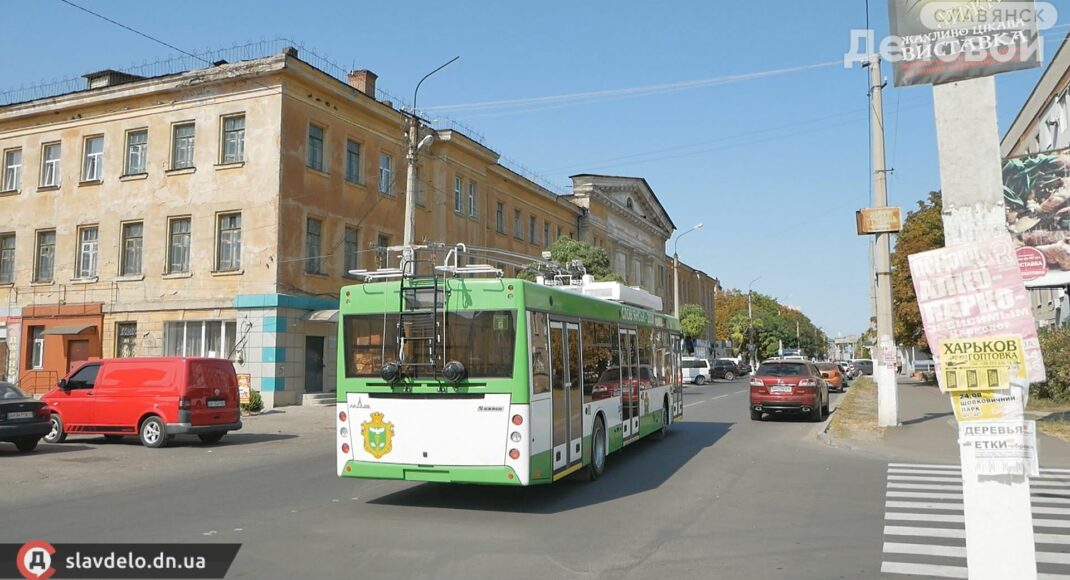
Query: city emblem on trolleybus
column 378, row 436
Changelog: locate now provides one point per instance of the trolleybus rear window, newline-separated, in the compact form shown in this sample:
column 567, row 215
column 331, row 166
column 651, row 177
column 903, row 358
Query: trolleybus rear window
column 484, row 341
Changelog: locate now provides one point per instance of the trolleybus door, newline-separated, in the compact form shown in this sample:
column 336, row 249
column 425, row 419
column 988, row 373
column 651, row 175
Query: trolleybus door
column 629, row 379
column 565, row 384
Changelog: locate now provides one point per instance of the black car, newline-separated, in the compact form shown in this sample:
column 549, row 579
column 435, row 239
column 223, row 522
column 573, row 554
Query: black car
column 23, row 420
column 724, row 369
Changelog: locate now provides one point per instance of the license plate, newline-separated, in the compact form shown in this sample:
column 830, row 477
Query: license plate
column 778, row 390
column 217, row 403
column 20, row 415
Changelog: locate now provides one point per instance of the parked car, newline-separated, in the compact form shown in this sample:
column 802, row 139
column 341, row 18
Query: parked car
column 865, row 366
column 831, row 372
column 725, row 369
column 695, row 370
column 153, row 398
column 788, row 386
column 23, row 420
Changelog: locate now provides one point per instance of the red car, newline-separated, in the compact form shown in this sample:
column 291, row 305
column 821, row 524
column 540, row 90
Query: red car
column 153, row 398
column 788, row 386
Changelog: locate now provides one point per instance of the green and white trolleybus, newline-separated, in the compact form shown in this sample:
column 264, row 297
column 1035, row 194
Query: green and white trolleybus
column 463, row 376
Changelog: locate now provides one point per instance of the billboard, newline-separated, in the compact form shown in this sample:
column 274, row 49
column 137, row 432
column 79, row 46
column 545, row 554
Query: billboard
column 878, row 220
column 1036, row 192
column 941, row 41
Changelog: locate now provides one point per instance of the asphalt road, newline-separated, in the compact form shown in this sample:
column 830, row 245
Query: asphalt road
column 720, row 497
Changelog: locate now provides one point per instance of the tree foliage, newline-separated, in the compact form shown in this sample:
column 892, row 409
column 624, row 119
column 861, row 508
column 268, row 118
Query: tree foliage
column 1055, row 346
column 923, row 230
column 594, row 259
column 693, row 321
column 772, row 325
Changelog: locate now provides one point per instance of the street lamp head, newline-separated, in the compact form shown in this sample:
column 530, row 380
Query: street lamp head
column 697, row 227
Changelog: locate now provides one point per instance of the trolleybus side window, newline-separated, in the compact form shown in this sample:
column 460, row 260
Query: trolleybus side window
column 540, row 354
column 599, row 346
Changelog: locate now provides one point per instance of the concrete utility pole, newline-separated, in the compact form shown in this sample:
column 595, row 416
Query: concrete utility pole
column 887, row 392
column 676, row 272
column 999, row 522
column 750, row 324
column 415, row 145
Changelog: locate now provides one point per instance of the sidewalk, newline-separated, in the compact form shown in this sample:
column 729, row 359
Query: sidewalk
column 928, row 431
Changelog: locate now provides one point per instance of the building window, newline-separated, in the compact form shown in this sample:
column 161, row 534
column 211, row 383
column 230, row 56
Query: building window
column 313, row 246
column 386, row 173
column 12, row 170
column 458, row 192
column 352, row 161
column 471, row 199
column 383, row 241
column 228, row 243
column 88, row 244
column 126, row 340
column 182, row 146
column 315, row 147
column 137, row 146
column 546, row 234
column 7, row 258
column 207, row 338
column 559, row 232
column 132, row 242
column 533, row 233
column 45, row 260
column 233, row 139
column 93, row 162
column 178, row 246
column 499, row 217
column 661, row 276
column 517, row 232
column 50, row 165
column 37, row 349
column 351, row 251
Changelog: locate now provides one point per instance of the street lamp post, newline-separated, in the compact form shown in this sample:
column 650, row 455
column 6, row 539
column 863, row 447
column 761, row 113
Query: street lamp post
column 415, row 144
column 750, row 321
column 676, row 271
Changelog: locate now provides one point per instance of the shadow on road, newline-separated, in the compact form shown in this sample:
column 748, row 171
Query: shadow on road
column 229, row 440
column 639, row 467
column 8, row 450
column 926, row 418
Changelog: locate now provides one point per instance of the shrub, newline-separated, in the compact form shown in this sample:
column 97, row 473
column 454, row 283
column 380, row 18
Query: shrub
column 255, row 404
column 1055, row 346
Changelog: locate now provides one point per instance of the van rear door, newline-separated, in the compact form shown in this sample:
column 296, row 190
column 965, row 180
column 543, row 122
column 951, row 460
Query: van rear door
column 212, row 390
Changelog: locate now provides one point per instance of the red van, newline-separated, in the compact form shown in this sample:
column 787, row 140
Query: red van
column 153, row 398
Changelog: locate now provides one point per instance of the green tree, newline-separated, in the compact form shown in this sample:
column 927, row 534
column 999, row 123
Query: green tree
column 693, row 321
column 594, row 259
column 923, row 230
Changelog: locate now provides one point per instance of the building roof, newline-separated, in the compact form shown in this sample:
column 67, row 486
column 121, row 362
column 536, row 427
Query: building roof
column 649, row 189
column 1054, row 79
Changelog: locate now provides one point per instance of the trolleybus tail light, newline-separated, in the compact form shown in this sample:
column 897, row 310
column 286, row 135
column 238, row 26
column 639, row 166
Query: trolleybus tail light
column 342, row 416
column 518, row 420
column 390, row 372
column 514, row 454
column 345, row 448
column 454, row 371
column 344, row 433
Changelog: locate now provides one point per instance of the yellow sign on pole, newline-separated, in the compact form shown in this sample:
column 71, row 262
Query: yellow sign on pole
column 981, row 364
column 987, row 406
column 244, row 383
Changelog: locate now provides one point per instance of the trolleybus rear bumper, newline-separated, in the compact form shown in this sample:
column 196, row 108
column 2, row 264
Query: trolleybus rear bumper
column 486, row 475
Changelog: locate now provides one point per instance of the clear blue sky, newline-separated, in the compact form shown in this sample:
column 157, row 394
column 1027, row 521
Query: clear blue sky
column 782, row 162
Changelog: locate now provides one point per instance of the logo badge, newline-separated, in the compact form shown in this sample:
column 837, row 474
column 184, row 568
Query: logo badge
column 378, row 436
column 35, row 560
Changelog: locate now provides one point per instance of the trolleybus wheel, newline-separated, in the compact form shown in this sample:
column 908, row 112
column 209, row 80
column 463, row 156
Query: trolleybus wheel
column 598, row 450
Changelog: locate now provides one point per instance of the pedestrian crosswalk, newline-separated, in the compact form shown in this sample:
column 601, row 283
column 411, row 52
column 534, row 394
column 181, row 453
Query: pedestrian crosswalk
column 924, row 527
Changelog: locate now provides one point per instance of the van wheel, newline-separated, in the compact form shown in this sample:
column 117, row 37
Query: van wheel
column 27, row 444
column 153, row 433
column 598, row 450
column 212, row 437
column 700, row 380
column 56, row 435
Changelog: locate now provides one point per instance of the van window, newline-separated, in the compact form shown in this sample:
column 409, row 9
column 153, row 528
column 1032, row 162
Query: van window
column 85, row 378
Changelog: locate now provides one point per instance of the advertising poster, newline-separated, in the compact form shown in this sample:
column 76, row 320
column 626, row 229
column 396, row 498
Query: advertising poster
column 244, row 382
column 974, row 291
column 942, row 41
column 982, row 364
column 988, row 406
column 1036, row 192
column 1001, row 447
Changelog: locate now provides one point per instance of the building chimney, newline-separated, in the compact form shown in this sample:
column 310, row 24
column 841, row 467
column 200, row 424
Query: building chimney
column 364, row 81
